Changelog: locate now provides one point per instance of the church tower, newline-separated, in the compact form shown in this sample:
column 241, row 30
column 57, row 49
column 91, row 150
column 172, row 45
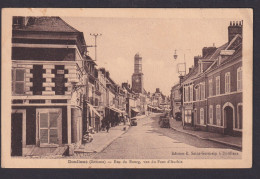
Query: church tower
column 137, row 77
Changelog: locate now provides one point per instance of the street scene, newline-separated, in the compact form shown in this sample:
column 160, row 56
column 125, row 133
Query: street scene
column 110, row 88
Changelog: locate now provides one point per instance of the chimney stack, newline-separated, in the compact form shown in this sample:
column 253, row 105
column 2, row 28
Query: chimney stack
column 196, row 60
column 206, row 51
column 181, row 78
column 234, row 29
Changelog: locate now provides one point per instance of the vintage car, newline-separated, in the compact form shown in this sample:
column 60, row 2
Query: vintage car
column 164, row 122
column 133, row 122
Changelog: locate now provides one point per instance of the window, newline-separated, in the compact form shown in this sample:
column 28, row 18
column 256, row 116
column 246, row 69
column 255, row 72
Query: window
column 18, row 80
column 239, row 79
column 186, row 94
column 48, row 126
column 210, row 88
column 217, row 85
column 201, row 116
column 239, row 120
column 187, row 116
column 211, row 114
column 197, row 91
column 227, row 82
column 202, row 90
column 218, row 115
column 191, row 93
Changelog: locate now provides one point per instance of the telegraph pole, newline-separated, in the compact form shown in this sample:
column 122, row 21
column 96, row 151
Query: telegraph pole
column 96, row 35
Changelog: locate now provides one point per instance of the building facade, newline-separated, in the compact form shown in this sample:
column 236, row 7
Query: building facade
column 47, row 62
column 212, row 90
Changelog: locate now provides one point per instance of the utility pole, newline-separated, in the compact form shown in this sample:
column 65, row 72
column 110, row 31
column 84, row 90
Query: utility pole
column 96, row 35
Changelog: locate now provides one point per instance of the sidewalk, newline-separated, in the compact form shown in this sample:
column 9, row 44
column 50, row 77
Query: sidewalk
column 102, row 139
column 223, row 139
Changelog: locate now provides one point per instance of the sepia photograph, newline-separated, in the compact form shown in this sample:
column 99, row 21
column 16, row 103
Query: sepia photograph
column 127, row 88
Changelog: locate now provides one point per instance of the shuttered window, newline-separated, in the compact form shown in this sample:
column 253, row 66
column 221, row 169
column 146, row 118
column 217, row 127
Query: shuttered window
column 211, row 114
column 191, row 93
column 227, row 82
column 239, row 79
column 210, row 87
column 18, row 81
column 44, row 127
column 202, row 116
column 202, row 90
column 217, row 85
column 49, row 127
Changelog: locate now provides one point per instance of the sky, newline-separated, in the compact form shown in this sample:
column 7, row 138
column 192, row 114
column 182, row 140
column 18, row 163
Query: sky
column 156, row 41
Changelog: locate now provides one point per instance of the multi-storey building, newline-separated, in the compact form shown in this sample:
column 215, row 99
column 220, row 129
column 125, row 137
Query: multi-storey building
column 212, row 90
column 47, row 61
column 176, row 100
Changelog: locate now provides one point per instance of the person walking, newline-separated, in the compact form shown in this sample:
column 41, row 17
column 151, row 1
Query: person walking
column 108, row 126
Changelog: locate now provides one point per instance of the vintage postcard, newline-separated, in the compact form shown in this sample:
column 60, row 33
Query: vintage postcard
column 127, row 88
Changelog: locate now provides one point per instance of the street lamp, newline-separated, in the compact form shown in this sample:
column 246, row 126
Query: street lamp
column 180, row 70
column 175, row 56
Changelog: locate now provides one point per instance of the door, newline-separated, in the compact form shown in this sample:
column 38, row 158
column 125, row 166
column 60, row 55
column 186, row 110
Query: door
column 16, row 134
column 228, row 112
column 49, row 121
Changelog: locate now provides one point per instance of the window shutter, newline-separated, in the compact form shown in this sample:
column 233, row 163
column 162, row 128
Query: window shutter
column 19, row 75
column 19, row 81
column 44, row 136
column 44, row 127
column 53, row 136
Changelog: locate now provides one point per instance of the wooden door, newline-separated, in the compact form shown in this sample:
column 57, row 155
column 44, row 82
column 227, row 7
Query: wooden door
column 16, row 134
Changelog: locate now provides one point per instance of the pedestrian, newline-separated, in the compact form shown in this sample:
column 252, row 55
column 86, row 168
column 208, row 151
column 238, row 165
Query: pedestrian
column 108, row 126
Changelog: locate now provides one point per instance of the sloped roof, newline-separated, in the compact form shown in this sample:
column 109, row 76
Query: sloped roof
column 217, row 52
column 48, row 24
column 237, row 53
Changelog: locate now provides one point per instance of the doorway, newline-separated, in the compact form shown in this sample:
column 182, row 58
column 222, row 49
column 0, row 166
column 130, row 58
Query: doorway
column 16, row 134
column 228, row 116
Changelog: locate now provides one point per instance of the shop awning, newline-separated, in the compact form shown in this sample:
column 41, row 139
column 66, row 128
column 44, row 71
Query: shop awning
column 135, row 110
column 117, row 110
column 95, row 111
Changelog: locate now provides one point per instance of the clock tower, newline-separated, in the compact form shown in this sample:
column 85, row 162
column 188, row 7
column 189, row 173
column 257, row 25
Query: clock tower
column 137, row 77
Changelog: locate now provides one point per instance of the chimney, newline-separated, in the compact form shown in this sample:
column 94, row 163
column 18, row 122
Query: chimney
column 196, row 60
column 181, row 78
column 233, row 29
column 207, row 51
column 190, row 70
